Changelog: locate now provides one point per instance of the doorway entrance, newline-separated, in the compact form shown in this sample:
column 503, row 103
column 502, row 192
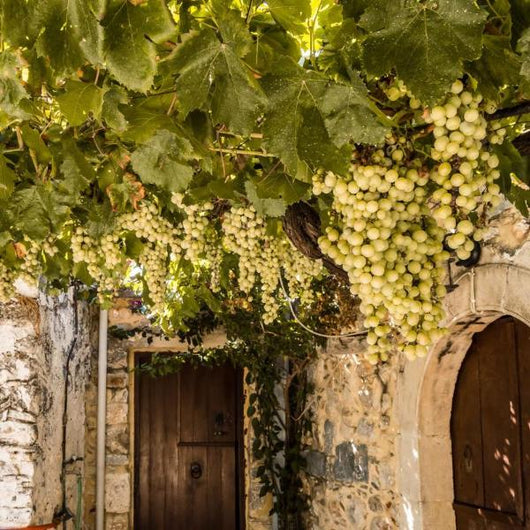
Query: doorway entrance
column 188, row 450
column 490, row 430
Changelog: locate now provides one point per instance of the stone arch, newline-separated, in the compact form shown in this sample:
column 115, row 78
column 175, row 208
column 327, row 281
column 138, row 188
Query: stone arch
column 426, row 389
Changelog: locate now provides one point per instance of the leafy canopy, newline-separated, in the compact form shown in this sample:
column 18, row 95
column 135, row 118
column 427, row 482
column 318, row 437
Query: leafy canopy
column 104, row 103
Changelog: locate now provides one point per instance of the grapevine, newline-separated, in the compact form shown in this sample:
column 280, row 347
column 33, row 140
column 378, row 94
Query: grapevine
column 167, row 161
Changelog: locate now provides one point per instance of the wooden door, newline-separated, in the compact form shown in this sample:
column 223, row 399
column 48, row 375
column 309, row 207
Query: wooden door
column 187, row 431
column 490, row 429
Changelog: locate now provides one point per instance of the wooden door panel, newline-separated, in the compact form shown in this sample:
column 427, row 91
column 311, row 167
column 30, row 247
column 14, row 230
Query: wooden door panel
column 500, row 418
column 471, row 518
column 490, row 429
column 467, row 446
column 208, row 405
column 177, row 429
column 157, row 449
column 212, row 497
column 522, row 336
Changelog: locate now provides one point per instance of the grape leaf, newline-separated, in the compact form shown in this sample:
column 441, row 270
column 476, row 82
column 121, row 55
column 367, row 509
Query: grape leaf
column 11, row 90
column 76, row 171
column 355, row 8
column 234, row 31
column 291, row 14
column 7, row 179
column 60, row 39
column 110, row 110
column 208, row 66
column 79, row 101
column 265, row 207
column 282, row 186
column 523, row 47
column 497, row 67
column 347, row 114
column 143, row 123
column 424, row 42
column 131, row 33
column 164, row 161
column 338, row 114
column 84, row 17
column 26, row 28
column 315, row 146
column 34, row 141
column 38, row 210
column 520, row 11
column 514, row 178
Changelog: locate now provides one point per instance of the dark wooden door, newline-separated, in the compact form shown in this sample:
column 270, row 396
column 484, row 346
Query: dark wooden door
column 490, row 429
column 188, row 451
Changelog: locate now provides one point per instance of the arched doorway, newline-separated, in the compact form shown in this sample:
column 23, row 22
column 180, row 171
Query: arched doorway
column 490, row 430
column 426, row 389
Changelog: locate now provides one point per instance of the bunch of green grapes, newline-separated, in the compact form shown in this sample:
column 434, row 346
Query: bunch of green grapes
column 383, row 235
column 197, row 234
column 103, row 258
column 149, row 226
column 263, row 257
column 466, row 171
column 31, row 267
column 7, row 290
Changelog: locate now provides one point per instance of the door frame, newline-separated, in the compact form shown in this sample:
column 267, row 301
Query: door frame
column 133, row 360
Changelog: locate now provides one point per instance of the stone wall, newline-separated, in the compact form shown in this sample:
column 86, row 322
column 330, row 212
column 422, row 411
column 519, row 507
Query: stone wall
column 380, row 455
column 352, row 463
column 35, row 338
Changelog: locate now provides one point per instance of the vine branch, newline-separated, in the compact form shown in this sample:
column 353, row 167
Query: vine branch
column 516, row 110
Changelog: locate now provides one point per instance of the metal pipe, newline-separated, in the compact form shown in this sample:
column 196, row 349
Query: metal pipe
column 101, row 420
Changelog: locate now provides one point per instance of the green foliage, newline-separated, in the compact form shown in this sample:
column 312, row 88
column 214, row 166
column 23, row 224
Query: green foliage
column 131, row 32
column 105, row 101
column 107, row 105
column 80, row 101
column 425, row 42
column 164, row 161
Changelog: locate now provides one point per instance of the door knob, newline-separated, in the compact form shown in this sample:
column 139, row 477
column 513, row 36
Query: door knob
column 195, row 470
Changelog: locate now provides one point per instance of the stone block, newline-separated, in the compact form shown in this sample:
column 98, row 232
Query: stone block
column 19, row 434
column 117, row 380
column 381, row 523
column 117, row 413
column 117, row 460
column 15, row 517
column 316, row 463
column 117, row 522
column 118, row 439
column 329, row 430
column 117, row 395
column 351, row 462
column 117, row 493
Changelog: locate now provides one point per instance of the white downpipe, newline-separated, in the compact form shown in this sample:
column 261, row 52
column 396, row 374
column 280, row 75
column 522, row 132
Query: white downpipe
column 101, row 420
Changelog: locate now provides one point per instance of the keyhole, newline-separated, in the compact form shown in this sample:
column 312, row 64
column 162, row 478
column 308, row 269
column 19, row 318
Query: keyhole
column 468, row 459
column 219, row 419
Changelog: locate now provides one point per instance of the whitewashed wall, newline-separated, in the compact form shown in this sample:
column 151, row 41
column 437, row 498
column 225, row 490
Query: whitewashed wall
column 35, row 337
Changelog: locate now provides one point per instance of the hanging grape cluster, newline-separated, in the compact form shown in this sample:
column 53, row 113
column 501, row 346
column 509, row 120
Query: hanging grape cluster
column 263, row 258
column 383, row 236
column 396, row 216
column 466, row 171
column 103, row 258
